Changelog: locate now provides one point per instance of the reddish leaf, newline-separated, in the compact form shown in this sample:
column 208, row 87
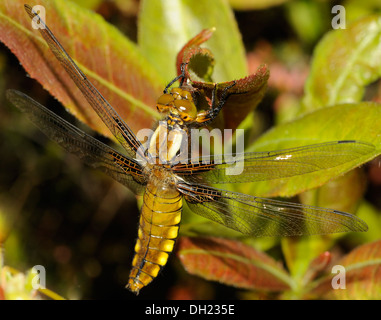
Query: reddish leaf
column 362, row 275
column 233, row 263
column 2, row 295
column 246, row 93
column 111, row 62
column 317, row 266
column 251, row 90
column 190, row 288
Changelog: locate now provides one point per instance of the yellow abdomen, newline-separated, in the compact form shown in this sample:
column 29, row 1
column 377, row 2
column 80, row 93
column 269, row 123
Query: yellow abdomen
column 158, row 230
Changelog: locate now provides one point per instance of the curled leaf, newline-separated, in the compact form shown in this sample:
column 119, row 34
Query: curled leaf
column 244, row 94
column 232, row 263
column 192, row 48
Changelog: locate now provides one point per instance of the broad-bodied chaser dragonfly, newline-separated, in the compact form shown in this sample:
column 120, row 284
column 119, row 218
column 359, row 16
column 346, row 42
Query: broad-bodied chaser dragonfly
column 167, row 184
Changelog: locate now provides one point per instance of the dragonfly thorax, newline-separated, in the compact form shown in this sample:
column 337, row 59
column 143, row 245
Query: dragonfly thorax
column 167, row 144
column 162, row 176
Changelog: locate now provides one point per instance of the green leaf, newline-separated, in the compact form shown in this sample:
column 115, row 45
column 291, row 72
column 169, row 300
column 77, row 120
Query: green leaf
column 342, row 193
column 111, row 62
column 355, row 9
column 308, row 18
column 89, row 4
column 6, row 221
column 254, row 4
column 362, row 276
column 339, row 122
column 233, row 263
column 345, row 61
column 166, row 26
column 372, row 216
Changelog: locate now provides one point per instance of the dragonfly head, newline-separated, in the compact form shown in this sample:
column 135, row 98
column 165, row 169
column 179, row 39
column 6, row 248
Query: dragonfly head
column 179, row 105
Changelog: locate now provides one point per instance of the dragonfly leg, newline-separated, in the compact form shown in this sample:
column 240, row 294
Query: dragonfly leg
column 180, row 76
column 207, row 117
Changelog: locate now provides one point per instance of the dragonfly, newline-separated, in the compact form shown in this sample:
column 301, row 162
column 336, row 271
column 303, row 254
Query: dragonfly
column 166, row 184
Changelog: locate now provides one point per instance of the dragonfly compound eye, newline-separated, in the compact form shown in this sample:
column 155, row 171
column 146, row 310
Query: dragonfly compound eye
column 164, row 102
column 177, row 93
column 186, row 108
column 186, row 95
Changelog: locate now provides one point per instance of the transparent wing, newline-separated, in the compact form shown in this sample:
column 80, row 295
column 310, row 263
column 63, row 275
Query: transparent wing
column 260, row 166
column 106, row 112
column 93, row 152
column 266, row 217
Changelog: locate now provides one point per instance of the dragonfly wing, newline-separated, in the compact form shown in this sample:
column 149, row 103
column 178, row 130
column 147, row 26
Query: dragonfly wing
column 93, row 152
column 266, row 217
column 261, row 166
column 106, row 112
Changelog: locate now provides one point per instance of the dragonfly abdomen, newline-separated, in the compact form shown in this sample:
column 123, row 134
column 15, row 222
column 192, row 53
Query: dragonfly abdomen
column 158, row 230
